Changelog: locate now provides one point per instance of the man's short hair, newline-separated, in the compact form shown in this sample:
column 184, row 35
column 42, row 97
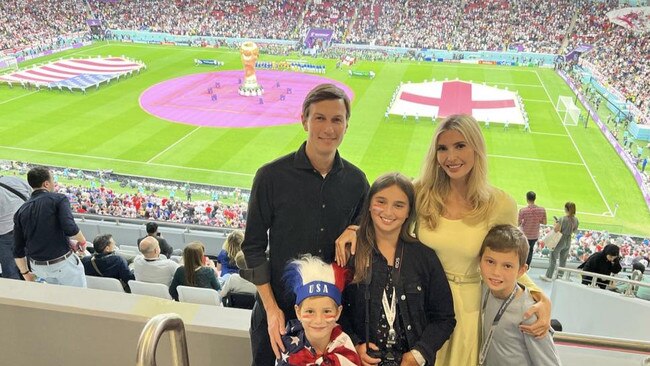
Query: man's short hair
column 326, row 92
column 152, row 227
column 101, row 242
column 38, row 175
column 506, row 238
column 531, row 196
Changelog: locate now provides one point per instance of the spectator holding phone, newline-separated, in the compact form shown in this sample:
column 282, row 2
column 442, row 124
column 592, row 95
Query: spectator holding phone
column 197, row 270
column 152, row 230
column 567, row 225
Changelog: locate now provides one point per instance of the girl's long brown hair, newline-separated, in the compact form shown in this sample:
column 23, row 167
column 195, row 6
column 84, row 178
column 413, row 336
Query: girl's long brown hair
column 366, row 240
column 192, row 259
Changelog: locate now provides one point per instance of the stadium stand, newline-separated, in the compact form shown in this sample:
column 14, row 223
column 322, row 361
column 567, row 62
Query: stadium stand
column 474, row 25
column 619, row 58
column 39, row 22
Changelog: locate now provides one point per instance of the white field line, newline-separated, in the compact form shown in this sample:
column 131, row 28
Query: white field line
column 537, row 101
column 550, row 134
column 600, row 192
column 533, row 159
column 174, row 144
column 126, row 161
column 511, row 84
column 18, row 97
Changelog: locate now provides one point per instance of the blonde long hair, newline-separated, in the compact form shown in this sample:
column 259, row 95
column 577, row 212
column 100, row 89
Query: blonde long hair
column 232, row 245
column 433, row 186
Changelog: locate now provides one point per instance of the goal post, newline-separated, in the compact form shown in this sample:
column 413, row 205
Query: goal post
column 567, row 110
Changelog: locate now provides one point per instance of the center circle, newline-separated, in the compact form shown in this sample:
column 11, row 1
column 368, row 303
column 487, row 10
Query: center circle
column 212, row 99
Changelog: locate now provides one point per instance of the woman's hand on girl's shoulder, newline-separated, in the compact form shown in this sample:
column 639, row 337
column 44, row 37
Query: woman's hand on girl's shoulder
column 348, row 236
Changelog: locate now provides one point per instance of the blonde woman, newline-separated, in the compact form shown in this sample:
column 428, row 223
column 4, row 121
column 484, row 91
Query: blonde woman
column 226, row 257
column 456, row 207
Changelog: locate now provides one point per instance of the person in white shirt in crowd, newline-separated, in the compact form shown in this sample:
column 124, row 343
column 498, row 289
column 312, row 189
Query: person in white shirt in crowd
column 235, row 283
column 151, row 266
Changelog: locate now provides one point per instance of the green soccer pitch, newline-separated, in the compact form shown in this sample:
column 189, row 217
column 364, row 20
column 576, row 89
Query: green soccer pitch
column 107, row 129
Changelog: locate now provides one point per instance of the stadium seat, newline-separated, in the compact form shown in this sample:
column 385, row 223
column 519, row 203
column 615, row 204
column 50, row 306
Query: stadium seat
column 198, row 295
column 239, row 300
column 130, row 248
column 104, row 283
column 150, row 289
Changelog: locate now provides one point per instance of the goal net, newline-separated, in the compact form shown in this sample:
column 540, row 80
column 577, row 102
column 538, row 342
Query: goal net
column 7, row 64
column 568, row 111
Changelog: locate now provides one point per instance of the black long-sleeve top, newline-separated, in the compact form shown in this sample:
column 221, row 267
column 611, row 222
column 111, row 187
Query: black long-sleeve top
column 424, row 301
column 598, row 263
column 42, row 225
column 302, row 212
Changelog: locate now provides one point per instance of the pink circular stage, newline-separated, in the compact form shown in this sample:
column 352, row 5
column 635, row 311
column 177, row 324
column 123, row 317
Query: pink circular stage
column 212, row 99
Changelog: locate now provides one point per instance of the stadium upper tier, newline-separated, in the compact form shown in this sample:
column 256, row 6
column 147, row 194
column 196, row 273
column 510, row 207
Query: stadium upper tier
column 474, row 25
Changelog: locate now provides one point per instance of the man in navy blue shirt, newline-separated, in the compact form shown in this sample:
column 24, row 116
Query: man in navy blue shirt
column 42, row 228
column 105, row 263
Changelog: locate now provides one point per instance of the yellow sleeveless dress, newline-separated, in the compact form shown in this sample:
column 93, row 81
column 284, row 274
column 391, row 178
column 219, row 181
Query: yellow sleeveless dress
column 457, row 244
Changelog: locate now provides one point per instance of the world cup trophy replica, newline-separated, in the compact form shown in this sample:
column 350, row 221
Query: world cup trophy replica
column 249, row 53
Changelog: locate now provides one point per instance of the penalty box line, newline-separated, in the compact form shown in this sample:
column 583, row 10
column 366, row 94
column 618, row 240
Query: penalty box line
column 600, row 192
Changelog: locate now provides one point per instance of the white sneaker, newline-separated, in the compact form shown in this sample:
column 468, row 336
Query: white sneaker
column 544, row 278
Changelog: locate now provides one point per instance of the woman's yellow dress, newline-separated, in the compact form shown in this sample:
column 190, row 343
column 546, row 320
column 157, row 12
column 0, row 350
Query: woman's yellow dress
column 457, row 244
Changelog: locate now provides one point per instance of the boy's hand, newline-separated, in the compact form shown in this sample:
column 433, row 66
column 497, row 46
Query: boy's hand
column 365, row 359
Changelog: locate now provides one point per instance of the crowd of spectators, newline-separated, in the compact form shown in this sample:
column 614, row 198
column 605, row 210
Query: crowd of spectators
column 35, row 23
column 587, row 242
column 142, row 198
column 254, row 19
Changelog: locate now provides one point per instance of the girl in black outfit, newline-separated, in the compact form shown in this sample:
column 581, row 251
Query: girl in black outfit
column 410, row 308
column 604, row 262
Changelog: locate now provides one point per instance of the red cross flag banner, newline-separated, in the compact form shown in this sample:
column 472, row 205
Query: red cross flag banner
column 634, row 19
column 442, row 99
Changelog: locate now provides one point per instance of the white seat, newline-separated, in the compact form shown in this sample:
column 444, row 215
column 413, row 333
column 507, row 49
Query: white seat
column 129, row 248
column 149, row 289
column 199, row 295
column 104, row 283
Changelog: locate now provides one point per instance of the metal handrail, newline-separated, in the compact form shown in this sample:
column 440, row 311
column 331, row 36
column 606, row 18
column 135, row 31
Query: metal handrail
column 150, row 336
column 613, row 344
column 595, row 276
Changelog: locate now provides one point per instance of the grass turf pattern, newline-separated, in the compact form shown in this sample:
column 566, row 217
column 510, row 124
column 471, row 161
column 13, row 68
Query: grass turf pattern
column 107, row 129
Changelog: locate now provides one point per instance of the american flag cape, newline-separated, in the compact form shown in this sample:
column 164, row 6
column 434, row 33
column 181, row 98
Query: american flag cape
column 340, row 350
